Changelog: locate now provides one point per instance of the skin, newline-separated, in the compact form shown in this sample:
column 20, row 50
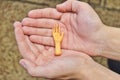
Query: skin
column 40, row 61
column 81, row 25
column 76, row 27
column 38, row 49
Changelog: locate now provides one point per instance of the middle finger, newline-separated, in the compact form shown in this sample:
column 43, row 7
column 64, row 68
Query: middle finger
column 40, row 23
column 37, row 31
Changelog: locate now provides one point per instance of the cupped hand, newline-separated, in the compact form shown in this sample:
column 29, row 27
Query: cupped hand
column 39, row 60
column 79, row 22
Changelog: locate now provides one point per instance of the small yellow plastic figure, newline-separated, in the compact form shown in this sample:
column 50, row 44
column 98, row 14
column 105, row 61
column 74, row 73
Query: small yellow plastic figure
column 57, row 36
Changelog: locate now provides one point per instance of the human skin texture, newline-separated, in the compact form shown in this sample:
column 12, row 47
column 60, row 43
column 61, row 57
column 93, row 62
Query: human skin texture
column 40, row 61
column 84, row 31
column 76, row 27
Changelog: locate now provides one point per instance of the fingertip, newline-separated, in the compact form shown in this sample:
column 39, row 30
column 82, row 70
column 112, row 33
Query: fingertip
column 34, row 38
column 16, row 23
column 22, row 63
column 57, row 7
column 68, row 6
column 30, row 13
column 31, row 37
column 60, row 8
column 26, row 21
column 33, row 13
column 26, row 63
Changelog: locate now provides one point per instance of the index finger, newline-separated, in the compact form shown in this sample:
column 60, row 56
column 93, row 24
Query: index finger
column 24, row 48
column 45, row 13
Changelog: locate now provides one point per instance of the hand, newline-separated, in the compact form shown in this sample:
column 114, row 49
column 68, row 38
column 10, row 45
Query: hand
column 79, row 22
column 58, row 37
column 40, row 61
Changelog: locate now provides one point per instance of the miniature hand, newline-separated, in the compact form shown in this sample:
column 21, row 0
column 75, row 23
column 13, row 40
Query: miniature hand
column 56, row 34
column 58, row 39
column 81, row 26
column 40, row 61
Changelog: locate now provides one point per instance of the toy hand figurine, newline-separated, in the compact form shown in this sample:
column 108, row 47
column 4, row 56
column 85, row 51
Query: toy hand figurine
column 57, row 36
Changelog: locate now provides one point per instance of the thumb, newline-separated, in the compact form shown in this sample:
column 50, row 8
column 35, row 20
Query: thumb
column 28, row 65
column 34, row 70
column 68, row 6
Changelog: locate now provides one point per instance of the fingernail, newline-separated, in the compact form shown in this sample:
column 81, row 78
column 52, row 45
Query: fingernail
column 23, row 64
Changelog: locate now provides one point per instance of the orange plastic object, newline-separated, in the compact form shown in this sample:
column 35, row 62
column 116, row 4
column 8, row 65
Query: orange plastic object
column 57, row 36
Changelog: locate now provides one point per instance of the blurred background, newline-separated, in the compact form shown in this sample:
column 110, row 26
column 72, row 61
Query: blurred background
column 12, row 10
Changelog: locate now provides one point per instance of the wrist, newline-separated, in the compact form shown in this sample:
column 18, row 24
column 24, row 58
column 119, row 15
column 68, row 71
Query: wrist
column 58, row 48
column 99, row 40
column 98, row 72
column 111, row 43
column 86, row 72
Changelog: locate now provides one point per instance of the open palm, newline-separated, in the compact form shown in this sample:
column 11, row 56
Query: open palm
column 81, row 26
column 40, row 60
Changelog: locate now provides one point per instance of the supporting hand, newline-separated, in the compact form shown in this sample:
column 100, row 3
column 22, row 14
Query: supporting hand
column 40, row 60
